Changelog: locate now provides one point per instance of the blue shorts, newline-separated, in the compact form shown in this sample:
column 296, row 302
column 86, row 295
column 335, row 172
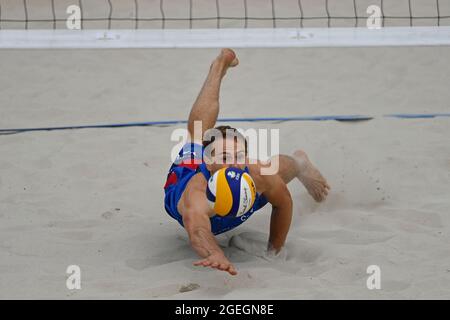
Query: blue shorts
column 188, row 163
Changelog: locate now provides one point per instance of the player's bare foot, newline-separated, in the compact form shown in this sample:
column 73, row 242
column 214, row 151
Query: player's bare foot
column 226, row 59
column 311, row 178
column 229, row 56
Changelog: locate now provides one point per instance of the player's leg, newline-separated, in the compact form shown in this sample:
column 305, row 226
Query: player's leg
column 299, row 166
column 206, row 106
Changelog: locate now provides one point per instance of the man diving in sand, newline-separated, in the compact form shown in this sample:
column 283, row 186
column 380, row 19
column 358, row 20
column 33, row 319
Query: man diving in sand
column 185, row 187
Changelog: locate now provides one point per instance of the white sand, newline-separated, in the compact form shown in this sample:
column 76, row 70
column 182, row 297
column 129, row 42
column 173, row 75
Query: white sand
column 94, row 197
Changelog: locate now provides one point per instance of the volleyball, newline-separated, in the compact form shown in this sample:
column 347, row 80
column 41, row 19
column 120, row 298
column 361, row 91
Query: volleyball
column 231, row 192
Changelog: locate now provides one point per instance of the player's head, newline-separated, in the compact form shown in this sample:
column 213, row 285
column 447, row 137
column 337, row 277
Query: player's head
column 224, row 147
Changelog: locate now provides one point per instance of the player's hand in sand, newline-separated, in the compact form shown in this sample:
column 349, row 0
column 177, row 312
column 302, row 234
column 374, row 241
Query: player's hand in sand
column 217, row 261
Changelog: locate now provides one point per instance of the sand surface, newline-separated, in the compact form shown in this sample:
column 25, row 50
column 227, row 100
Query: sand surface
column 94, row 197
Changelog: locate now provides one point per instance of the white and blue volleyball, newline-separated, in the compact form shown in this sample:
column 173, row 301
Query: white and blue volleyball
column 231, row 192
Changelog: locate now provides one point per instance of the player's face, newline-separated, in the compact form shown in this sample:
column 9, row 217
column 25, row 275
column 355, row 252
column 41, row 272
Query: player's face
column 227, row 153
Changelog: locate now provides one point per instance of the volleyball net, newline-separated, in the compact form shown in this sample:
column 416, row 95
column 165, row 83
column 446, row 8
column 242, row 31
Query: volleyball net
column 218, row 23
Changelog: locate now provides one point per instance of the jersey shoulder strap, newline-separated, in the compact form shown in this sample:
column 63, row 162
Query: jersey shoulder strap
column 202, row 168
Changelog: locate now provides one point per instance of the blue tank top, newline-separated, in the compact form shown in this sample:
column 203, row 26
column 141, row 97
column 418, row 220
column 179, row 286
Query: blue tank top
column 179, row 175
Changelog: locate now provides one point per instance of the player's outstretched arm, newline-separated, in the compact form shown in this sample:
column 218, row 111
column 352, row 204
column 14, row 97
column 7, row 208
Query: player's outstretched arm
column 195, row 212
column 203, row 242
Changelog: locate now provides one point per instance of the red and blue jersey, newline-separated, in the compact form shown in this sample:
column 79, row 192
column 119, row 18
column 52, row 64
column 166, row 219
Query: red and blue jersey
column 188, row 163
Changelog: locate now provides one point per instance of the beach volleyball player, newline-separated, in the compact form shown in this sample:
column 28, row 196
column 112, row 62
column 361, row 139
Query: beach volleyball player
column 187, row 180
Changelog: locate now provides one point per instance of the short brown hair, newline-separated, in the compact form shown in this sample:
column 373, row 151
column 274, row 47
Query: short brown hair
column 223, row 131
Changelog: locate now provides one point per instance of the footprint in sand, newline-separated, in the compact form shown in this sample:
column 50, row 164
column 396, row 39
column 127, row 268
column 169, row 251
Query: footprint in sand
column 110, row 214
column 255, row 244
